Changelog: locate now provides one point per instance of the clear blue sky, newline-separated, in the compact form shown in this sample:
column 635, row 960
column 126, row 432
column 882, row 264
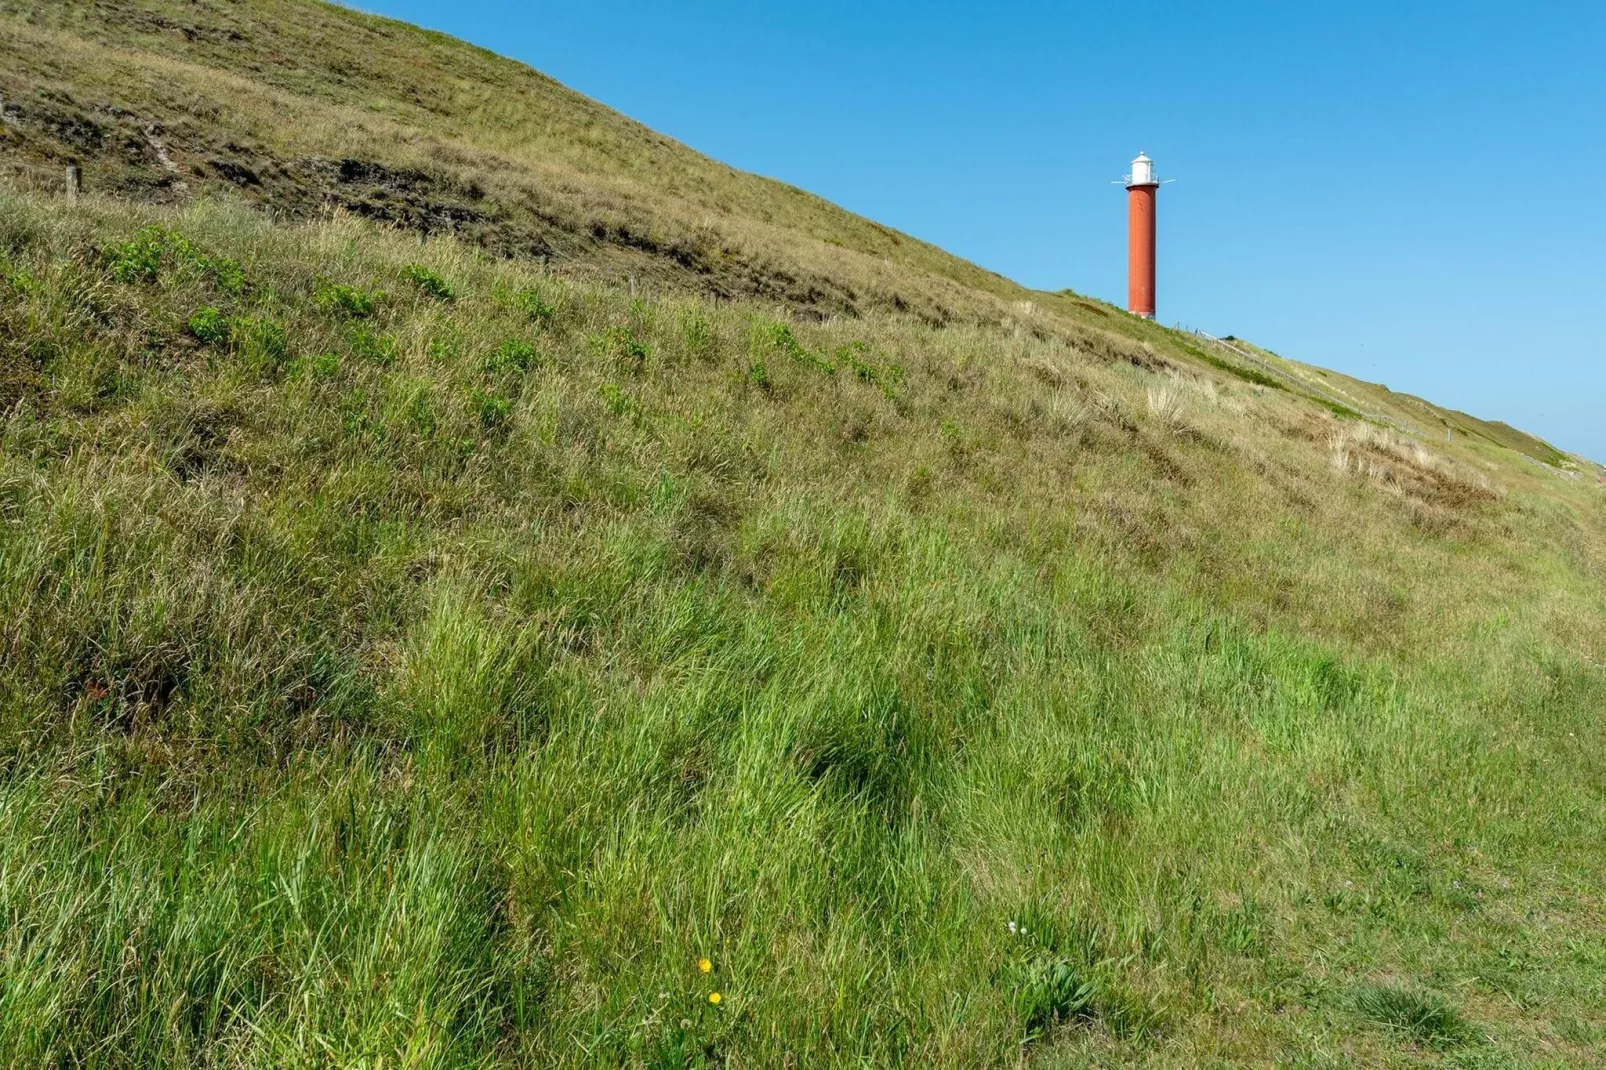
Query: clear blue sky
column 1409, row 192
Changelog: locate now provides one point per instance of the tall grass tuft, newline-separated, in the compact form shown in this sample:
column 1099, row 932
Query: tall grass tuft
column 1421, row 1016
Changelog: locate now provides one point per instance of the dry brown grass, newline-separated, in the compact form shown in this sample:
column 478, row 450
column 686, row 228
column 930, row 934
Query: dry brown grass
column 1408, row 468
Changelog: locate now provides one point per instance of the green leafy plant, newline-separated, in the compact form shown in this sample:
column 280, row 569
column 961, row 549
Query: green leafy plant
column 512, row 355
column 621, row 343
column 429, row 282
column 351, row 301
column 853, row 357
column 261, row 343
column 211, row 326
column 324, row 365
column 697, row 334
column 532, row 305
column 619, row 403
column 444, row 348
column 858, row 357
column 140, row 259
column 494, row 410
column 17, row 278
column 155, row 250
column 771, row 337
column 374, row 346
column 227, row 274
column 419, row 411
column 1052, row 990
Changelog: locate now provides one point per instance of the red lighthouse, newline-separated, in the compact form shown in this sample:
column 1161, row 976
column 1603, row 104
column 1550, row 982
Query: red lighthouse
column 1141, row 187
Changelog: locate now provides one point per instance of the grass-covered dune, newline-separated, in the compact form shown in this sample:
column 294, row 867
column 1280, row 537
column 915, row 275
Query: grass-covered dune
column 410, row 657
column 294, row 106
column 305, row 109
column 479, row 579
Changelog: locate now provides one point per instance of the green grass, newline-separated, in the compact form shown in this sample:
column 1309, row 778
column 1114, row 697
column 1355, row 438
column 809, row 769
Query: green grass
column 435, row 682
column 1421, row 1016
column 1248, row 375
column 1337, row 408
column 424, row 639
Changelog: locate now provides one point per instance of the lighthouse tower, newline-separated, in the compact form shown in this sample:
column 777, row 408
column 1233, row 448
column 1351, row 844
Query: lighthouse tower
column 1141, row 187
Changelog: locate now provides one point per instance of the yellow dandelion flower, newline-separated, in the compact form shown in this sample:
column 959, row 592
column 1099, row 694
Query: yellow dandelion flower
column 713, row 997
column 704, row 966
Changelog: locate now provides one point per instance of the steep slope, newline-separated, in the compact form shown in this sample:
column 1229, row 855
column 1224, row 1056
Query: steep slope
column 303, row 106
column 415, row 655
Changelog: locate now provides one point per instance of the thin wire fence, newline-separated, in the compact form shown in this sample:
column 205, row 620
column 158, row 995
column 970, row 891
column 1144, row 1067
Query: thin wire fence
column 1306, row 385
column 31, row 178
column 1401, row 425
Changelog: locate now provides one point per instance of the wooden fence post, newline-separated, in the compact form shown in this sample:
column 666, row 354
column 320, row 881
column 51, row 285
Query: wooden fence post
column 75, row 181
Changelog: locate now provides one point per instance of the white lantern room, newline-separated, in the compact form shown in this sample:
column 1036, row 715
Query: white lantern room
column 1142, row 170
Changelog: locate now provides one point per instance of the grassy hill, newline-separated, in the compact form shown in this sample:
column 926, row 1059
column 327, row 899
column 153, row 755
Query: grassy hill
column 446, row 652
column 300, row 107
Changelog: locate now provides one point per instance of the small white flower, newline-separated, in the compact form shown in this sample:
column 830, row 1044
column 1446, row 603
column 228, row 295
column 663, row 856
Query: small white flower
column 1013, row 927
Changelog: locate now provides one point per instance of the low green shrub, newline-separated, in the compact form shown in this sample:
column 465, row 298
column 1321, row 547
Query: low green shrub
column 322, row 365
column 374, row 346
column 494, row 410
column 350, row 301
column 211, row 326
column 513, row 355
column 619, row 403
column 621, row 343
column 261, row 343
column 533, row 306
column 157, row 250
column 771, row 337
column 430, row 282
